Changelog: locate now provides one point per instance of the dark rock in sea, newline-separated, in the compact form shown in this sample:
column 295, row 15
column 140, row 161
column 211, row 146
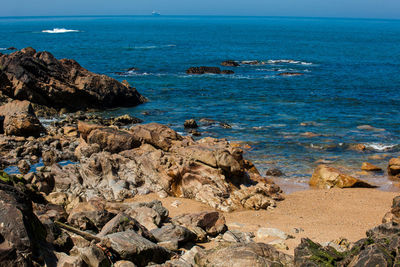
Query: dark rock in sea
column 250, row 62
column 132, row 69
column 225, row 125
column 40, row 78
column 203, row 70
column 230, row 63
column 192, row 124
column 194, row 132
column 11, row 48
column 227, row 72
column 290, row 74
column 274, row 172
column 20, row 119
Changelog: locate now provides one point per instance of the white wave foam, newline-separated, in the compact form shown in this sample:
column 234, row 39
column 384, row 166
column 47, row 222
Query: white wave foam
column 288, row 61
column 59, row 30
column 3, row 48
column 379, row 147
column 145, row 47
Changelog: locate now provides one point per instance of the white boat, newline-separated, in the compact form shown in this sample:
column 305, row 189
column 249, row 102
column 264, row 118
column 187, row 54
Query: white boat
column 154, row 13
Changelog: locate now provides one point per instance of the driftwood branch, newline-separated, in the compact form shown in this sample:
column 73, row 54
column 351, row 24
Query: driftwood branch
column 74, row 230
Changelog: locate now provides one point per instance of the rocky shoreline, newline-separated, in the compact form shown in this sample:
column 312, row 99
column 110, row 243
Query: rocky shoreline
column 83, row 212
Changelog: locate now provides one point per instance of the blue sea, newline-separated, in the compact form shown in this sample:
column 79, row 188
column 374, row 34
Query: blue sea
column 349, row 93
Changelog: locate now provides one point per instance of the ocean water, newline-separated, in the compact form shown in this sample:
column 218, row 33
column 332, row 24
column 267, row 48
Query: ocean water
column 351, row 79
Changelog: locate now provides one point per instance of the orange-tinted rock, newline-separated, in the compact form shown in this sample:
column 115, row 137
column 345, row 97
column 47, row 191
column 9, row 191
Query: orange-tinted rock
column 326, row 177
column 370, row 167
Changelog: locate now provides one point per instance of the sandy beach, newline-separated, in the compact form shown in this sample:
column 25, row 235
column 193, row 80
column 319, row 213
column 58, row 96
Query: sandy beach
column 324, row 215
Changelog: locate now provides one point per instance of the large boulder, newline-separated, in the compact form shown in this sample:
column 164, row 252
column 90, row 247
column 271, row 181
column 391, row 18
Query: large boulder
column 243, row 255
column 40, row 78
column 112, row 140
column 20, row 119
column 328, row 177
column 21, row 232
column 212, row 222
column 131, row 246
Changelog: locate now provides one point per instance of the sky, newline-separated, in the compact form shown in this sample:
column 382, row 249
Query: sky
column 302, row 8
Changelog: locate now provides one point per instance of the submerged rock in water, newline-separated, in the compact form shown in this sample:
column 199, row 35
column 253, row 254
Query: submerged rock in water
column 203, row 70
column 207, row 70
column 327, row 177
column 230, row 63
column 40, row 78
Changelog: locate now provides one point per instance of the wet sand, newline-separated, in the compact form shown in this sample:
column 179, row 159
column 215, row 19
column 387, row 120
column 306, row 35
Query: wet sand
column 324, row 215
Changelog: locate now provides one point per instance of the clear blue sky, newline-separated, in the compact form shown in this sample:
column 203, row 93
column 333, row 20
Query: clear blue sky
column 307, row 8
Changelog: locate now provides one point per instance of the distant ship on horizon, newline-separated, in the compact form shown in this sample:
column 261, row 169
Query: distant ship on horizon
column 155, row 13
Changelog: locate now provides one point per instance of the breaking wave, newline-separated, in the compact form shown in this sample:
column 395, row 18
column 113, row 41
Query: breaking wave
column 59, row 30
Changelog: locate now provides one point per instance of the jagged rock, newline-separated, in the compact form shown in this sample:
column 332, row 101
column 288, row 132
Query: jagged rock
column 327, row 177
column 40, row 78
column 157, row 135
column 230, row 63
column 133, row 247
column 126, row 120
column 121, row 223
column 20, row 119
column 211, row 222
column 243, row 255
column 290, row 74
column 146, row 215
column 90, row 215
column 173, row 233
column 49, row 157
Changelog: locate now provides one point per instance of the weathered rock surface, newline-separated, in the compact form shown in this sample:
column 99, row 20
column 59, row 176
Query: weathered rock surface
column 243, row 255
column 394, row 214
column 133, row 247
column 21, row 233
column 209, row 170
column 173, row 232
column 213, row 223
column 394, row 168
column 20, row 119
column 327, row 177
column 40, row 78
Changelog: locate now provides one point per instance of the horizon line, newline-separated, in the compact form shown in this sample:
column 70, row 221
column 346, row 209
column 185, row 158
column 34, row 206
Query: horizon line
column 191, row 15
